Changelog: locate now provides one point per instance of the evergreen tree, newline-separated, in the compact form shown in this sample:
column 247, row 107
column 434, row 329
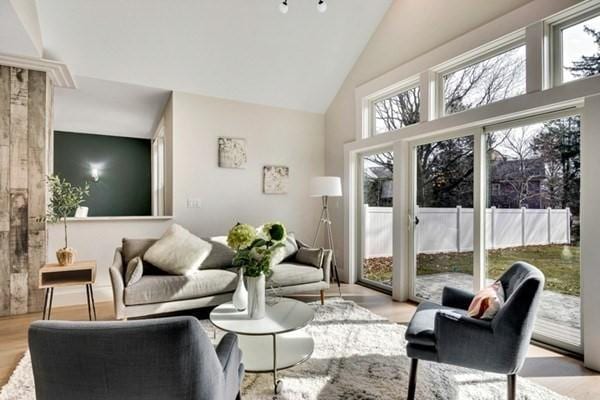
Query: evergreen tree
column 587, row 65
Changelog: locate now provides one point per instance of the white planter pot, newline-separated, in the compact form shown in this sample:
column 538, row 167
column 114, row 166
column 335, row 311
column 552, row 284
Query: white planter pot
column 240, row 296
column 256, row 297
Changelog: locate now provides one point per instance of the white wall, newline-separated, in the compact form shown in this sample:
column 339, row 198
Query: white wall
column 274, row 136
column 590, row 230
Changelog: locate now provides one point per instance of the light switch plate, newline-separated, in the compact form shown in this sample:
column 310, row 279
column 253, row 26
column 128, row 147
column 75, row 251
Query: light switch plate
column 194, row 203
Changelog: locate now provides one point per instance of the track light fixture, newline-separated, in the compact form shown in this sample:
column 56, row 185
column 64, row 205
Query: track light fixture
column 321, row 6
column 283, row 7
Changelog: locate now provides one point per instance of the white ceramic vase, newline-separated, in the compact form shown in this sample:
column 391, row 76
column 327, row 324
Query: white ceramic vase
column 240, row 296
column 256, row 297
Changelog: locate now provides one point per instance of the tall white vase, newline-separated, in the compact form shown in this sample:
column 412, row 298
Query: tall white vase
column 256, row 297
column 240, row 296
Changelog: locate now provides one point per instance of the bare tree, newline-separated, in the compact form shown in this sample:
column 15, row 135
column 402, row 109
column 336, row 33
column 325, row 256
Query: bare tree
column 397, row 111
column 485, row 82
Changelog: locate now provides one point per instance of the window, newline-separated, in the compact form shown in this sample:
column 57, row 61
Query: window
column 158, row 172
column 483, row 82
column 397, row 111
column 577, row 47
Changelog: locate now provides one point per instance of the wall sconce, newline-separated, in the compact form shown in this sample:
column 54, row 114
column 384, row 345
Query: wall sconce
column 95, row 174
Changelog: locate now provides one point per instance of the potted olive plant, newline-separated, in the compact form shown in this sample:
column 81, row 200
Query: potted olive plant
column 64, row 200
column 253, row 254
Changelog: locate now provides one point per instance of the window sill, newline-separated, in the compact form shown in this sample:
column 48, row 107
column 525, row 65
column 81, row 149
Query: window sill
column 131, row 218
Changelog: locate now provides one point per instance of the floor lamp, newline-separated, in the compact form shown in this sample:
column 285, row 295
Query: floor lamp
column 326, row 187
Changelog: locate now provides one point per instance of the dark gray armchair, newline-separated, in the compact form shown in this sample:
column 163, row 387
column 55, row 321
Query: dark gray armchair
column 446, row 334
column 159, row 359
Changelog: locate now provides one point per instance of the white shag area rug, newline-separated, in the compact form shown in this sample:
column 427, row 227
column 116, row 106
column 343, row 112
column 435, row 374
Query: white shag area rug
column 358, row 356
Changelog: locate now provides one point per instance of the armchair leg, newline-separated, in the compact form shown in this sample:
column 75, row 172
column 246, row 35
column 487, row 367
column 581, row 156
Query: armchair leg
column 412, row 382
column 512, row 387
column 322, row 297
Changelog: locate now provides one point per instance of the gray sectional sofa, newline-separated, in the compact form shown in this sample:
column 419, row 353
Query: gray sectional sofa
column 158, row 293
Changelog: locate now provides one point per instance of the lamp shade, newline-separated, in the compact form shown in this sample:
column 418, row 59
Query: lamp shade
column 325, row 186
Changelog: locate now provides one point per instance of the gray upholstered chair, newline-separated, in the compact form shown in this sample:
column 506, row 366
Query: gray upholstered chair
column 446, row 334
column 159, row 359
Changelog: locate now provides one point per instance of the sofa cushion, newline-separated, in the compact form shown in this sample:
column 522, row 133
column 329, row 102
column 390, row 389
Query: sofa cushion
column 163, row 288
column 290, row 274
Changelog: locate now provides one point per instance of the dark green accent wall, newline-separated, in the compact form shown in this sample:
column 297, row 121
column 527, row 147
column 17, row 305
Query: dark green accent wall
column 124, row 164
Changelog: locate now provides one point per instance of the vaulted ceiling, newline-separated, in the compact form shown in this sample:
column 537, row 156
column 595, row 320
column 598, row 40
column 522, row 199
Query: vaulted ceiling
column 244, row 50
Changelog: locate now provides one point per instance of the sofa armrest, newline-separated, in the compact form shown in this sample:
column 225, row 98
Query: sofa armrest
column 118, row 284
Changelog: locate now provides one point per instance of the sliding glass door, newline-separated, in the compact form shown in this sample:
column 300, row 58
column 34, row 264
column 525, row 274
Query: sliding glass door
column 533, row 178
column 529, row 175
column 376, row 172
column 443, row 216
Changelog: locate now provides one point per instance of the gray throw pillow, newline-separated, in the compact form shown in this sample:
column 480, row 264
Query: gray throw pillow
column 135, row 271
column 289, row 248
column 313, row 257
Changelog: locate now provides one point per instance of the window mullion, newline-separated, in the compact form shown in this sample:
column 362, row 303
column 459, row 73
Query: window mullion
column 535, row 72
column 479, row 209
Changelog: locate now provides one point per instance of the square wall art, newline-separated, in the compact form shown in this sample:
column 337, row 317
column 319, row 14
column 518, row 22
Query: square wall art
column 232, row 152
column 275, row 179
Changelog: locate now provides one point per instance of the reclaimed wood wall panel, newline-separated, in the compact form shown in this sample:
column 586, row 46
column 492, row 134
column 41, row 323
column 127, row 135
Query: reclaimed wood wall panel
column 25, row 130
column 18, row 140
column 4, row 191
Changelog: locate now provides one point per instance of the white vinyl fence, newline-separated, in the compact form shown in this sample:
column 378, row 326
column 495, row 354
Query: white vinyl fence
column 443, row 230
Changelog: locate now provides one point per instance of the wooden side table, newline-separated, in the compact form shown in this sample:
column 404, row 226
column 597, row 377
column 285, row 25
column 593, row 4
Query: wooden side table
column 79, row 273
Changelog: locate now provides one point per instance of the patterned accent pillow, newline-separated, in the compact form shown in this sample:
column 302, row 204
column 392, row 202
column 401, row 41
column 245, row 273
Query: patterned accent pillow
column 134, row 272
column 487, row 303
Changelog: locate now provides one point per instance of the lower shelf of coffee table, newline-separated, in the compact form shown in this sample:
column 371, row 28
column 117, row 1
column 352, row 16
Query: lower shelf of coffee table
column 293, row 348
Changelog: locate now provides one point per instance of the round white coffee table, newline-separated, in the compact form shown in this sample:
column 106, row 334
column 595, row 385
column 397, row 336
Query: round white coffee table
column 273, row 343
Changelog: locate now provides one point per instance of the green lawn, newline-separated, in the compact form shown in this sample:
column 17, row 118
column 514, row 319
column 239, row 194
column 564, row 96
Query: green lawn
column 560, row 265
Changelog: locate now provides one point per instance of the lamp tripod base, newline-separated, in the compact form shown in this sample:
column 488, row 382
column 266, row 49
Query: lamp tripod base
column 325, row 222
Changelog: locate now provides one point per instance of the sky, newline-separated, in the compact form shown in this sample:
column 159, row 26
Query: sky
column 577, row 43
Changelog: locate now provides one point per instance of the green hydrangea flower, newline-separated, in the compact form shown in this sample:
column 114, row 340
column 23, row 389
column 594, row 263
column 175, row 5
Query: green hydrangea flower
column 241, row 236
column 274, row 231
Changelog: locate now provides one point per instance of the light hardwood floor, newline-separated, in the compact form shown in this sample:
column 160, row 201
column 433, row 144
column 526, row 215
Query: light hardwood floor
column 560, row 373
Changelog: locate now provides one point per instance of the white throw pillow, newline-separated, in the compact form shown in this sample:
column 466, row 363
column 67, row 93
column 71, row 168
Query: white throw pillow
column 289, row 248
column 178, row 251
